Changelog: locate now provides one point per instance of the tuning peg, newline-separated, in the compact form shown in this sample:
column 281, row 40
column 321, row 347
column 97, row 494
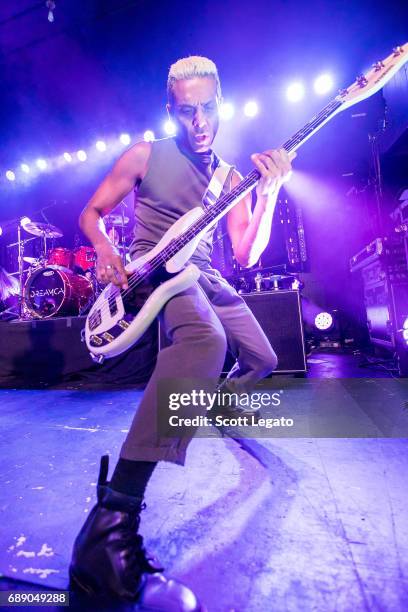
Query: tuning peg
column 378, row 65
column 361, row 80
column 343, row 92
column 397, row 50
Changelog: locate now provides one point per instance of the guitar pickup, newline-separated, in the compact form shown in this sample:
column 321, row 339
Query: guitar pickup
column 123, row 324
column 113, row 307
column 95, row 319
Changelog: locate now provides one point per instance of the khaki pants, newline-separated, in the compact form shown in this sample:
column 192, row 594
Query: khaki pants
column 199, row 322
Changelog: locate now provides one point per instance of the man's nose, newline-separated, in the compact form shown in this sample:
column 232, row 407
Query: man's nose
column 199, row 117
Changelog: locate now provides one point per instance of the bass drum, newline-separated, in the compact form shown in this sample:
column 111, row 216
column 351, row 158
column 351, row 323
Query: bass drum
column 51, row 292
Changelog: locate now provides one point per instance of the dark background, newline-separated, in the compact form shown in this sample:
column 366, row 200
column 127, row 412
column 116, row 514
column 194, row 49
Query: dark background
column 100, row 69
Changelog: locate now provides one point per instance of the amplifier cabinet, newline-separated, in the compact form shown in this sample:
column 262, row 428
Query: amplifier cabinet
column 280, row 316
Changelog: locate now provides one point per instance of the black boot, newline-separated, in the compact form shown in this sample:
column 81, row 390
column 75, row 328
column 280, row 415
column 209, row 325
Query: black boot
column 109, row 561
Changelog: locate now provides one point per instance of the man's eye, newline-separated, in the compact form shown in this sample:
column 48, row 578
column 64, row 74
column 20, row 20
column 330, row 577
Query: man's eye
column 188, row 112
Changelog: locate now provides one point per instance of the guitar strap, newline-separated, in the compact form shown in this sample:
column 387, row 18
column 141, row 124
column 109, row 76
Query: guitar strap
column 217, row 183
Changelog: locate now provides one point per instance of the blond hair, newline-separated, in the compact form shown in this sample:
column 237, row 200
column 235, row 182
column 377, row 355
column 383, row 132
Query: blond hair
column 190, row 67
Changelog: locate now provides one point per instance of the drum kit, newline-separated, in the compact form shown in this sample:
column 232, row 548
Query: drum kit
column 60, row 282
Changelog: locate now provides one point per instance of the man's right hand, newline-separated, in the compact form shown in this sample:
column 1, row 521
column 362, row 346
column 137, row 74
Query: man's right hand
column 109, row 266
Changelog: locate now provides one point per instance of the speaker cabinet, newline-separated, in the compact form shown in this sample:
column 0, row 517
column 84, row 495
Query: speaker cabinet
column 280, row 316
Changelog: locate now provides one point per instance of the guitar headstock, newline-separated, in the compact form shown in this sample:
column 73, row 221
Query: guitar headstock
column 368, row 84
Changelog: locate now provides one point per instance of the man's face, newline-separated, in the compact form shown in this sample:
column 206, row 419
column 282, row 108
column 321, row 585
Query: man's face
column 194, row 110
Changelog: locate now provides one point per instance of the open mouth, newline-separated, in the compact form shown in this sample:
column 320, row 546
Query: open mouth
column 200, row 138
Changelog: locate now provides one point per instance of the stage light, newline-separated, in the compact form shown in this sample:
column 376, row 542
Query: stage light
column 41, row 164
column 251, row 108
column 10, row 175
column 323, row 321
column 226, row 111
column 323, row 84
column 81, row 155
column 125, row 139
column 169, row 127
column 405, row 330
column 24, row 221
column 148, row 136
column 295, row 92
column 1, row 230
column 101, row 146
column 25, row 168
column 67, row 157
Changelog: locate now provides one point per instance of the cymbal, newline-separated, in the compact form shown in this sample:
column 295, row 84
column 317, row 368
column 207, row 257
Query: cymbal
column 43, row 229
column 31, row 260
column 115, row 220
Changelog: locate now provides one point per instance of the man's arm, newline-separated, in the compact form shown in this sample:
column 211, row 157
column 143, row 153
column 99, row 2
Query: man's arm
column 129, row 168
column 250, row 231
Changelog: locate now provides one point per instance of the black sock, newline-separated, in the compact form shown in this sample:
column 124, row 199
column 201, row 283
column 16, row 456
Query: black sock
column 131, row 477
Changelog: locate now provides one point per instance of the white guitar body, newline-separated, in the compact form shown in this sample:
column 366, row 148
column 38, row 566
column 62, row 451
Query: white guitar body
column 130, row 333
column 112, row 325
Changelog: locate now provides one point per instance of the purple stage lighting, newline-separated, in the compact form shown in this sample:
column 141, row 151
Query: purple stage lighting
column 148, row 136
column 405, row 331
column 251, row 108
column 323, row 84
column 10, row 175
column 295, row 92
column 41, row 164
column 81, row 155
column 226, row 111
column 323, row 321
column 124, row 139
column 101, row 146
column 25, row 168
column 169, row 127
column 67, row 157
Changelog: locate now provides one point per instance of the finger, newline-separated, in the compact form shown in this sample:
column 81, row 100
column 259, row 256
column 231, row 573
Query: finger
column 262, row 162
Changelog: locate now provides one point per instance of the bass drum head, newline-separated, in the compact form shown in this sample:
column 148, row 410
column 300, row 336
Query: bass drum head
column 56, row 291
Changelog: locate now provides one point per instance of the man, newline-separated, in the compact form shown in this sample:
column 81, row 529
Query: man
column 170, row 177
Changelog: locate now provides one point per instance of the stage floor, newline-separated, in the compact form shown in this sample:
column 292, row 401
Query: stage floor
column 257, row 525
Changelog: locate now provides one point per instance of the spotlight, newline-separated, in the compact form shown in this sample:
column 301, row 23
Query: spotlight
column 295, row 92
column 125, row 139
column 148, row 136
column 10, row 175
column 405, row 330
column 67, row 157
column 226, row 111
column 323, row 321
column 81, row 155
column 1, row 230
column 169, row 127
column 101, row 146
column 251, row 108
column 41, row 164
column 24, row 221
column 323, row 84
column 25, row 168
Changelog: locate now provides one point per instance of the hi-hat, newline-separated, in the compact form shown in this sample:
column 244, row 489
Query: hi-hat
column 116, row 220
column 43, row 229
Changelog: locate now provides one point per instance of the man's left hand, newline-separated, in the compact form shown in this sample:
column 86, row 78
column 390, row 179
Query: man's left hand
column 275, row 168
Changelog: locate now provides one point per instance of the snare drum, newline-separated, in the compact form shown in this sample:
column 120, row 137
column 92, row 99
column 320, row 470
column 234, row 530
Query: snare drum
column 60, row 257
column 85, row 258
column 49, row 292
